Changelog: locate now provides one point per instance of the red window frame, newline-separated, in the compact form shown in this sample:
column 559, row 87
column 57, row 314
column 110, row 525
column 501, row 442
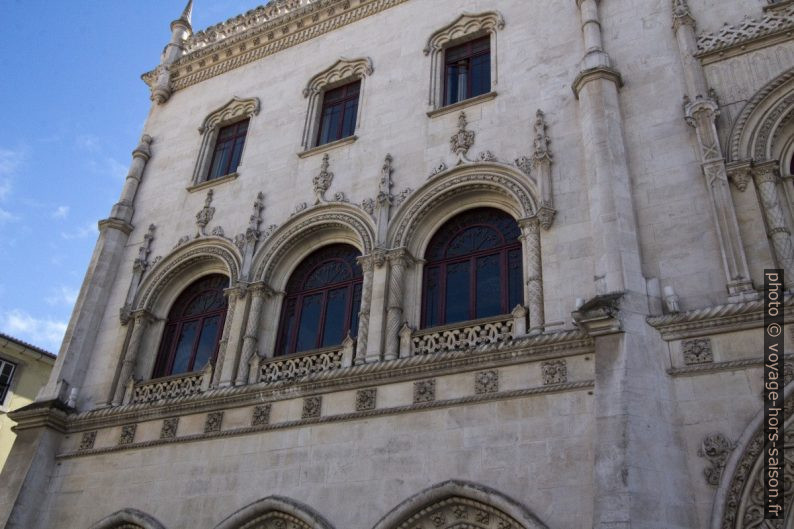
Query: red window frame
column 231, row 137
column 339, row 97
column 341, row 255
column 462, row 55
column 438, row 261
column 177, row 319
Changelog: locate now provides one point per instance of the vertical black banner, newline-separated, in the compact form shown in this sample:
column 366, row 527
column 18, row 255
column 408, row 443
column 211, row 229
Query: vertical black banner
column 773, row 394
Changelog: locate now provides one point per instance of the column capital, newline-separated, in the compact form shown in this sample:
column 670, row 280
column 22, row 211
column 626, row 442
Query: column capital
column 701, row 107
column 764, row 172
column 142, row 316
column 591, row 74
column 740, row 174
column 260, row 288
column 235, row 292
column 400, row 256
column 142, row 150
column 681, row 15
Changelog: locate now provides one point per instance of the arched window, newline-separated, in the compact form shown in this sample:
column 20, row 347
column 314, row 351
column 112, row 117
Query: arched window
column 473, row 268
column 194, row 327
column 322, row 302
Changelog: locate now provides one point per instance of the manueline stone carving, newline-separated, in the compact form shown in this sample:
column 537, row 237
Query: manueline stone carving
column 462, row 140
column 142, row 261
column 772, row 22
column 127, row 434
column 204, row 216
column 424, row 391
column 486, row 382
column 213, row 422
column 87, row 440
column 365, row 399
column 716, row 448
column 525, row 164
column 169, row 428
column 252, row 233
column 322, row 181
column 312, row 407
column 462, row 338
column 697, row 351
column 440, row 168
column 276, row 369
column 261, row 415
column 554, row 372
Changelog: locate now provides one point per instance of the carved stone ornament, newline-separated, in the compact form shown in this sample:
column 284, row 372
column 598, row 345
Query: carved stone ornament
column 252, row 232
column 424, row 391
column 461, row 513
column 486, row 382
column 486, row 156
column 239, row 241
column 235, row 109
column 169, row 428
column 204, row 216
column 368, row 205
column 182, row 241
column 322, row 181
column 541, row 141
column 554, row 372
column 462, row 140
column 217, row 231
column 525, row 164
column 261, row 415
column 366, row 399
column 213, row 422
column 312, row 407
column 440, row 168
column 142, row 261
column 87, row 440
column 127, row 434
column 697, row 351
column 339, row 71
column 716, row 448
column 771, row 23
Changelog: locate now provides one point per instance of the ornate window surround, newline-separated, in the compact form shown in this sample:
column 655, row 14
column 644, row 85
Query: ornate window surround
column 467, row 26
column 235, row 110
column 128, row 518
column 342, row 72
column 275, row 508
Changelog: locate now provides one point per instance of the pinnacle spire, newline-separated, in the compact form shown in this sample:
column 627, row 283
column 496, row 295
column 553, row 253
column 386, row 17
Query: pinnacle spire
column 187, row 13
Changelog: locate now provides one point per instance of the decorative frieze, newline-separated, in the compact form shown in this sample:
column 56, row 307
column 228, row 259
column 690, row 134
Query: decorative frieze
column 486, row 382
column 697, row 351
column 716, row 448
column 554, row 372
column 213, row 422
column 87, row 440
column 312, row 407
column 463, row 337
column 127, row 434
column 424, row 391
column 261, row 415
column 366, row 399
column 772, row 24
column 169, row 428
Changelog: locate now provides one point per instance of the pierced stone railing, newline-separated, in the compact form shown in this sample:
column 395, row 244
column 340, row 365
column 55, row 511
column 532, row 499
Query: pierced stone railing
column 304, row 364
column 462, row 336
column 182, row 385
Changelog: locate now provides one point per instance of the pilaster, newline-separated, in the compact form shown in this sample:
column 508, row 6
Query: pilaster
column 367, row 263
column 257, row 294
column 530, row 233
column 377, row 309
column 141, row 320
column 399, row 260
column 229, row 345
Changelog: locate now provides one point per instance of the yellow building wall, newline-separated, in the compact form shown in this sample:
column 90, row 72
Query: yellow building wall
column 32, row 371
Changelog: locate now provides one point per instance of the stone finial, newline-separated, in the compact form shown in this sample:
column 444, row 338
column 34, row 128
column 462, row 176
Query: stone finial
column 142, row 261
column 462, row 140
column 143, row 149
column 185, row 18
column 384, row 189
column 322, row 181
column 682, row 15
column 252, row 233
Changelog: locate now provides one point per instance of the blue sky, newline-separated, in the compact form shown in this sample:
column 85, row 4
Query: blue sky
column 74, row 108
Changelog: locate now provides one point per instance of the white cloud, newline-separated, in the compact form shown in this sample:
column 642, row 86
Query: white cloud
column 61, row 212
column 7, row 216
column 81, row 232
column 108, row 166
column 10, row 162
column 42, row 332
column 63, row 295
column 87, row 142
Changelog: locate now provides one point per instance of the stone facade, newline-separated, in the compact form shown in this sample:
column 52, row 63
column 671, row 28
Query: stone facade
column 644, row 150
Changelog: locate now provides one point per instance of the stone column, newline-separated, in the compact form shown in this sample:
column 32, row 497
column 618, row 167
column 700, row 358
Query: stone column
column 766, row 178
column 377, row 309
column 257, row 292
column 367, row 263
column 530, row 233
column 123, row 208
column 613, row 225
column 225, row 365
column 141, row 320
column 701, row 113
column 399, row 260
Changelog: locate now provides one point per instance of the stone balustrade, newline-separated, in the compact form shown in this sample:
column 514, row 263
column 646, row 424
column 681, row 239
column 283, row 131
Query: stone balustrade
column 181, row 385
column 304, row 364
column 459, row 336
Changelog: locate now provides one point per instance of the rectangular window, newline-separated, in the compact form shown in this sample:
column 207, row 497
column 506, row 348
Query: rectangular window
column 338, row 114
column 228, row 149
column 6, row 375
column 467, row 70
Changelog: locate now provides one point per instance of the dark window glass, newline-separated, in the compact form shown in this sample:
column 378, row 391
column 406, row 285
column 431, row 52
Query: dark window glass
column 6, row 375
column 473, row 268
column 228, row 150
column 467, row 70
column 193, row 330
column 324, row 294
column 338, row 114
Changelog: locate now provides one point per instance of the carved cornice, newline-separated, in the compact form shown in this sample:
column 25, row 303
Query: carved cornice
column 591, row 74
column 418, row 406
column 48, row 414
column 261, row 32
column 232, row 110
column 521, row 350
column 713, row 367
column 774, row 26
column 713, row 320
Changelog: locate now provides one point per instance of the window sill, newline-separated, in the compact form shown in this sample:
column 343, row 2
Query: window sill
column 327, row 146
column 462, row 104
column 210, row 183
